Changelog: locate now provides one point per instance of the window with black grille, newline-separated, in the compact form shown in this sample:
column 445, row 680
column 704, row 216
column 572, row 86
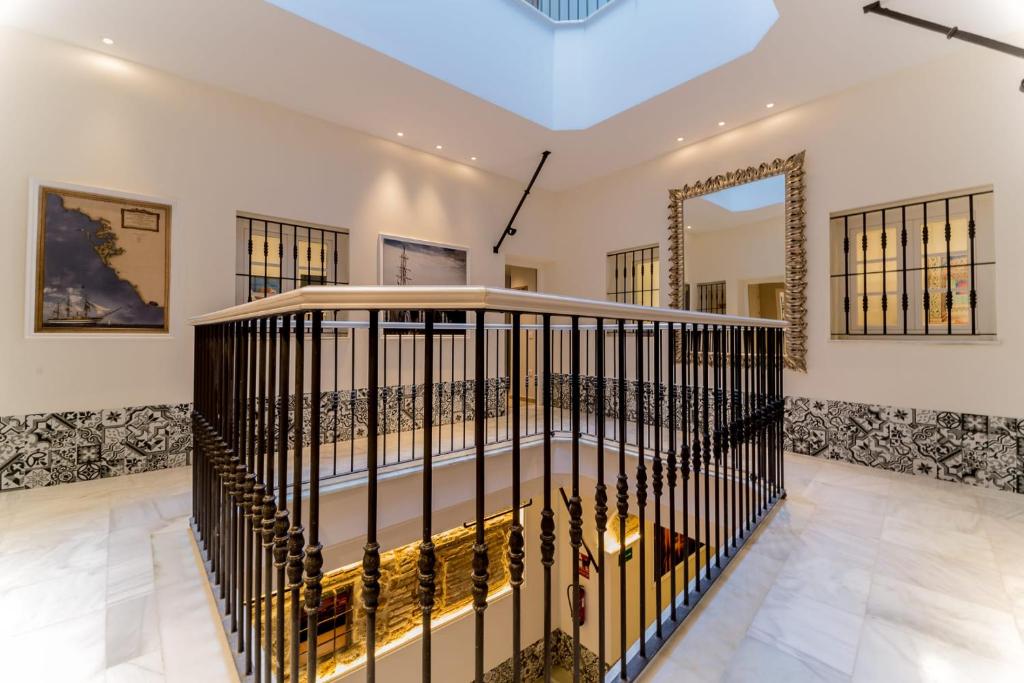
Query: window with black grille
column 276, row 256
column 921, row 267
column 633, row 276
column 711, row 297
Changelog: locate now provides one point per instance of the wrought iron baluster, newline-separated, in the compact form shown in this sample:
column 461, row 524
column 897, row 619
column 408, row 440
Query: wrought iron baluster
column 371, row 550
column 296, row 553
column 600, row 491
column 672, row 465
column 685, row 333
column 269, row 506
column 622, row 491
column 281, row 521
column 314, row 561
column 695, row 337
column 641, row 483
column 516, row 542
column 575, row 502
column 657, row 472
column 480, row 559
column 547, row 521
column 427, row 558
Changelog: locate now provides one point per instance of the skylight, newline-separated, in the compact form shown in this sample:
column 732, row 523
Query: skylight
column 561, row 75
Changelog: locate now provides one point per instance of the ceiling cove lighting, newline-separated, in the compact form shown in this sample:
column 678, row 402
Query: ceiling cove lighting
column 108, row 41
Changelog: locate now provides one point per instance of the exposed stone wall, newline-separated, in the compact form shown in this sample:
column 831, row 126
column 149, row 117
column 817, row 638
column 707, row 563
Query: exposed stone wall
column 399, row 608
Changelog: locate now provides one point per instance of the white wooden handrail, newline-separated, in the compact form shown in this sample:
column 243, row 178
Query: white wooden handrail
column 470, row 298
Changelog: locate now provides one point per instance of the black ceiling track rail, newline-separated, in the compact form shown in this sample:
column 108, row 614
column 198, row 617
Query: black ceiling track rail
column 509, row 230
column 949, row 31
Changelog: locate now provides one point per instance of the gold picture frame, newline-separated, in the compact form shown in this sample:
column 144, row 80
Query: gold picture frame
column 795, row 308
column 93, row 271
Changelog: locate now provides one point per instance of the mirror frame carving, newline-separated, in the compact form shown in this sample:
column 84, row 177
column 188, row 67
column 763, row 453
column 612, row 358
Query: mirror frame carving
column 795, row 343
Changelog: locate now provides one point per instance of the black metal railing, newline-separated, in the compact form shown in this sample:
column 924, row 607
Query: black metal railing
column 711, row 297
column 567, row 10
column 684, row 410
column 918, row 268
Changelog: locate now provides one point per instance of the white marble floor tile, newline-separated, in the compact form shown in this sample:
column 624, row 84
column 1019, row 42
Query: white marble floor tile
column 985, row 631
column 834, row 581
column 754, row 660
column 893, row 653
column 69, row 650
column 807, row 628
column 948, row 545
column 51, row 602
column 973, row 581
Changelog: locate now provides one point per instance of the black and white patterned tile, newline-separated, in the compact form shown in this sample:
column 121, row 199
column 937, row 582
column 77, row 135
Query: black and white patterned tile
column 969, row 448
column 47, row 449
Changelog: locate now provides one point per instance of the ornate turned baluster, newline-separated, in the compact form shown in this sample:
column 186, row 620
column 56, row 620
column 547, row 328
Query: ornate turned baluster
column 371, row 550
column 547, row 515
column 516, row 542
column 641, row 482
column 622, row 492
column 314, row 562
column 427, row 560
column 480, row 558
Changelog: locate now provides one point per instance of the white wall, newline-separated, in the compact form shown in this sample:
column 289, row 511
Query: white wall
column 954, row 124
column 78, row 116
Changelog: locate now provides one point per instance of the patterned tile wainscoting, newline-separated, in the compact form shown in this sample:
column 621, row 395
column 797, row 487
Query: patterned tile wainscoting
column 47, row 449
column 979, row 450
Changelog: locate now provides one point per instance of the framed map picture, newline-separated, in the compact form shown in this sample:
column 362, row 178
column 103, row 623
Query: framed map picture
column 101, row 263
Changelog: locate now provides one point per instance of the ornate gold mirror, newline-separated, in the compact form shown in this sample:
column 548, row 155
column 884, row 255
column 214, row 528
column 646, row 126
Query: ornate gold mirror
column 736, row 244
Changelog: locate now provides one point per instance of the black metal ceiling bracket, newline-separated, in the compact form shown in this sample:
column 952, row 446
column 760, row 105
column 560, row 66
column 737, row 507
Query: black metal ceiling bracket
column 509, row 230
column 949, row 31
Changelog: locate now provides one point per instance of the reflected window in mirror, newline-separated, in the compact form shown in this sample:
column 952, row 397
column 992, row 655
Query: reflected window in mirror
column 920, row 267
column 735, row 249
column 633, row 276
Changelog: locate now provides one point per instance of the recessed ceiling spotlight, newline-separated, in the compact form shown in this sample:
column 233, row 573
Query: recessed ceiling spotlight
column 689, row 227
column 472, row 158
column 400, row 134
column 108, row 41
column 680, row 139
column 721, row 123
column 438, row 147
column 769, row 105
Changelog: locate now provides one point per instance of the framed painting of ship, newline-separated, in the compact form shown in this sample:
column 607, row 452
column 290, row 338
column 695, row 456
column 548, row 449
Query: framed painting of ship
column 100, row 261
column 404, row 261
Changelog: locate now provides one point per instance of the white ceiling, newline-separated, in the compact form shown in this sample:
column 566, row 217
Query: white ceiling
column 817, row 47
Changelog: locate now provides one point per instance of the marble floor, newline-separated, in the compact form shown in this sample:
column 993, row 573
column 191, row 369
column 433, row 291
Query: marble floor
column 864, row 575
column 860, row 575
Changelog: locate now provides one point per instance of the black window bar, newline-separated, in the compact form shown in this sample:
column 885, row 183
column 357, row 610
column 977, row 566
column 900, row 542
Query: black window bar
column 279, row 256
column 711, row 297
column 936, row 263
column 567, row 10
column 633, row 276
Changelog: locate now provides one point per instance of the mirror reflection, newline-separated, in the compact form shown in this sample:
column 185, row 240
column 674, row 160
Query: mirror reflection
column 735, row 250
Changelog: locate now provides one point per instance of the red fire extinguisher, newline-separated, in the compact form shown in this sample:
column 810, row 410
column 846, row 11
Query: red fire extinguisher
column 580, row 611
